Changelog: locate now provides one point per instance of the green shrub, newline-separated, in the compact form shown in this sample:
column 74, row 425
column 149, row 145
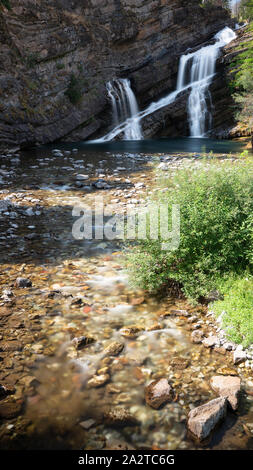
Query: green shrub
column 236, row 309
column 6, row 4
column 242, row 82
column 75, row 89
column 216, row 207
column 60, row 66
column 246, row 9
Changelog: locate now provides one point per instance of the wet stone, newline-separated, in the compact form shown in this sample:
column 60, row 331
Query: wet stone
column 23, row 282
column 29, row 381
column 87, row 424
column 226, row 371
column 98, row 381
column 82, row 341
column 158, row 393
column 180, row 363
column 154, row 327
column 114, row 349
column 119, row 417
column 9, row 346
column 131, row 331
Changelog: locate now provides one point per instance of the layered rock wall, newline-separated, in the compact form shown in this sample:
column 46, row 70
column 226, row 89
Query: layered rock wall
column 50, row 47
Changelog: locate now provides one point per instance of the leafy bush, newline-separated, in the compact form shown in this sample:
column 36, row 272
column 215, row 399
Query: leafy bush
column 6, row 4
column 216, row 207
column 246, row 9
column 236, row 310
column 75, row 89
column 242, row 82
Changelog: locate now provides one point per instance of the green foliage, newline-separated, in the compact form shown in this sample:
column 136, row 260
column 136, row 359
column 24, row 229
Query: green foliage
column 31, row 59
column 6, row 4
column 60, row 66
column 236, row 309
column 75, row 89
column 216, row 207
column 246, row 10
column 242, row 83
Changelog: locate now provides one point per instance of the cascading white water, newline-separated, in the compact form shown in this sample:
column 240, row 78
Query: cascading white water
column 125, row 106
column 199, row 67
column 196, row 71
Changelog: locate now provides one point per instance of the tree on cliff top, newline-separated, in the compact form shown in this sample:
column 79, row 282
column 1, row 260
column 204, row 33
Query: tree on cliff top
column 246, row 10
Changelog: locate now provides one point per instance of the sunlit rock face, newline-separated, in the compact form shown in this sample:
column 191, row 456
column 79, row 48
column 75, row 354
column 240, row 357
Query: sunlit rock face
column 223, row 111
column 44, row 44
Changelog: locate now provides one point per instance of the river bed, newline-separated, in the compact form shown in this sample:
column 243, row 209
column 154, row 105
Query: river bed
column 80, row 288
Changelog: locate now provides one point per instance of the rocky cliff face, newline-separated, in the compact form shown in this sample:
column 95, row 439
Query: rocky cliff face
column 224, row 123
column 57, row 55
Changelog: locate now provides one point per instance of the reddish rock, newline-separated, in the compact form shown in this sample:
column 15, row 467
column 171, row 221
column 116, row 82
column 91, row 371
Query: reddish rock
column 227, row 386
column 158, row 393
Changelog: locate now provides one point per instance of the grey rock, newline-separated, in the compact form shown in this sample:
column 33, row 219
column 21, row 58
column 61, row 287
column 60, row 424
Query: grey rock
column 87, row 424
column 211, row 341
column 239, row 356
column 197, row 336
column 203, row 419
column 227, row 386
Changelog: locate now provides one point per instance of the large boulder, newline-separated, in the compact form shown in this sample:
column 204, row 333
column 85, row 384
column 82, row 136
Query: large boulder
column 227, row 386
column 203, row 419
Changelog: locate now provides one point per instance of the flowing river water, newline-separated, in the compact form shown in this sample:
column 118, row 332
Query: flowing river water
column 80, row 288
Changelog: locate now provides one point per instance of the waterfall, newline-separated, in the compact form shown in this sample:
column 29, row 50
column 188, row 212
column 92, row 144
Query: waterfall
column 124, row 106
column 195, row 73
column 200, row 67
